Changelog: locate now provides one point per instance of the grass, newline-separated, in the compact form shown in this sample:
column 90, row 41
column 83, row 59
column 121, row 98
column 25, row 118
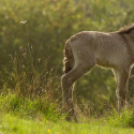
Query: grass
column 10, row 124
column 40, row 115
column 20, row 115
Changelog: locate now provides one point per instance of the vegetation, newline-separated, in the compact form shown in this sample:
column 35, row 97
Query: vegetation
column 32, row 37
column 23, row 115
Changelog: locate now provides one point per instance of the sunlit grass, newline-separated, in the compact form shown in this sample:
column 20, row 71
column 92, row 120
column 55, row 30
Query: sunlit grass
column 19, row 115
column 10, row 124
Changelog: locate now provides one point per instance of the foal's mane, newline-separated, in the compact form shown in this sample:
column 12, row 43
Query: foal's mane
column 126, row 29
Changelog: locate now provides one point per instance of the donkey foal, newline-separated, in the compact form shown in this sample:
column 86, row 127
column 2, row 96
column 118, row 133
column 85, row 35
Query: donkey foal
column 84, row 50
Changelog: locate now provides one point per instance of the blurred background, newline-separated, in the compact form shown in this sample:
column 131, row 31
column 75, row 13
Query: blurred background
column 32, row 38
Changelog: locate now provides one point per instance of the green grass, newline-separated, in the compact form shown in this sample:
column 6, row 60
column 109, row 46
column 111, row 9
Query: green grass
column 22, row 115
column 10, row 124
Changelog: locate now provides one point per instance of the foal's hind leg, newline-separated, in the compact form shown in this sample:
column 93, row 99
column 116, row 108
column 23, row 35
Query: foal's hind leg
column 122, row 87
column 68, row 81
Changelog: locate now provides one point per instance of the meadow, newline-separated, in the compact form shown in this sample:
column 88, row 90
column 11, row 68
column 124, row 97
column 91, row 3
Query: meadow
column 10, row 124
column 32, row 38
column 26, row 116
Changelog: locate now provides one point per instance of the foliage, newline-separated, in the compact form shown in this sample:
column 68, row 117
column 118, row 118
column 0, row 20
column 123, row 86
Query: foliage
column 32, row 36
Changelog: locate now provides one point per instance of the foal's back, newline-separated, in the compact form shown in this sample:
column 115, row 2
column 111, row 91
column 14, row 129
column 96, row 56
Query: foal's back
column 109, row 49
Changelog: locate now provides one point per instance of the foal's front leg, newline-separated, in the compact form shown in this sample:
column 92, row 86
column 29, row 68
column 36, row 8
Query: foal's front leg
column 122, row 88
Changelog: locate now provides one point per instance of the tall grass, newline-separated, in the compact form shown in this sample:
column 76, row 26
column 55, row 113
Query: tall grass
column 26, row 108
column 27, row 79
column 29, row 90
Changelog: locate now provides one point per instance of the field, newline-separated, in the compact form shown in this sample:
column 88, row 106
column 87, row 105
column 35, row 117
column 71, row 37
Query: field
column 26, row 116
column 10, row 124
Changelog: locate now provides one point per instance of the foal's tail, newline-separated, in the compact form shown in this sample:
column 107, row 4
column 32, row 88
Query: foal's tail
column 68, row 59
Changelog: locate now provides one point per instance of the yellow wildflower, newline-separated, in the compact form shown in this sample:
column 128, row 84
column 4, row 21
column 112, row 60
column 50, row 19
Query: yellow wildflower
column 48, row 130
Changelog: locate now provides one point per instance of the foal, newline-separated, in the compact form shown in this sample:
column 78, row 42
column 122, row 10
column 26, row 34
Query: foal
column 82, row 51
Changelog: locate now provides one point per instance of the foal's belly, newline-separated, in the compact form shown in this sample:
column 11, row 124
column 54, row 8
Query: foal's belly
column 112, row 57
column 113, row 61
column 105, row 63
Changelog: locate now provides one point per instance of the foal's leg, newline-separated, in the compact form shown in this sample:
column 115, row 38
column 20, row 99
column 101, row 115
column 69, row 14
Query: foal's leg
column 122, row 88
column 68, row 81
